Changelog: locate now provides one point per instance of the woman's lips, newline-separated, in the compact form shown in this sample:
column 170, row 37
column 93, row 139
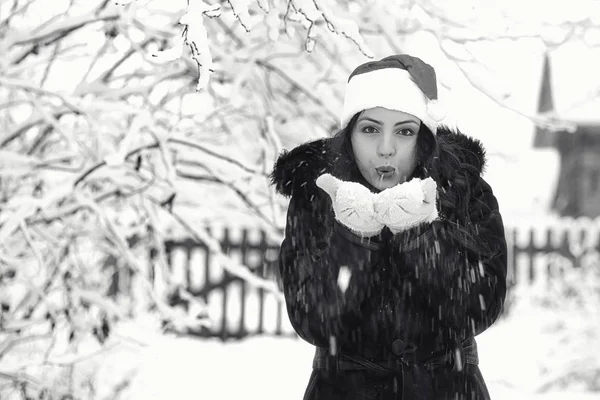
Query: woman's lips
column 385, row 171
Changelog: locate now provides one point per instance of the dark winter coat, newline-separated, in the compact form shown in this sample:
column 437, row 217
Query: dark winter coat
column 415, row 299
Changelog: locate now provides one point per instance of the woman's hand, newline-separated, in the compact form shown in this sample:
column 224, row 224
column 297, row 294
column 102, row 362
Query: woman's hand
column 407, row 205
column 352, row 205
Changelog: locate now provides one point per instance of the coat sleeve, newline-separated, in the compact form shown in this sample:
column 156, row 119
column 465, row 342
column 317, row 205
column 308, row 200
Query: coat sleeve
column 310, row 260
column 461, row 280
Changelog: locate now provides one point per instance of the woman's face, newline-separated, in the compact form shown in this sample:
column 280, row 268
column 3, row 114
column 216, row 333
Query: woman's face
column 384, row 143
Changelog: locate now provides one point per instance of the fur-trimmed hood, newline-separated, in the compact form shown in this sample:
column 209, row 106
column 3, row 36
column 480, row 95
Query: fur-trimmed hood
column 295, row 171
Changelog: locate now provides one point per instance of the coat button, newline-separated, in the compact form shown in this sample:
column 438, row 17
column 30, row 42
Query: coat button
column 398, row 347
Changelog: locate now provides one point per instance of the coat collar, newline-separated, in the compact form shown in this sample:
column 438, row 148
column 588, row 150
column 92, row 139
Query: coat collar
column 295, row 171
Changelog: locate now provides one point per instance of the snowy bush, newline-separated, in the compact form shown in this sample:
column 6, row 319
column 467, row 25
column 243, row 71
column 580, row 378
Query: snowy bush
column 562, row 316
column 114, row 139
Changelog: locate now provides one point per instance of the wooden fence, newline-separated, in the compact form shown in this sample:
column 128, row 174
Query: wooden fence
column 239, row 310
column 236, row 308
column 543, row 251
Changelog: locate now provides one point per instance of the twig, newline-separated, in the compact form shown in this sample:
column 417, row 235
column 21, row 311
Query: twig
column 181, row 142
column 68, row 27
column 14, row 103
column 334, row 28
column 52, row 19
column 440, row 16
column 42, row 298
column 21, row 324
column 538, row 121
column 50, row 63
column 19, row 377
column 237, row 191
column 129, row 257
column 239, row 42
column 77, row 360
column 19, row 84
column 29, row 241
column 238, row 14
column 106, row 75
column 18, row 341
column 203, row 149
column 69, row 210
column 97, row 56
column 14, row 12
column 299, row 87
column 30, row 124
column 50, row 164
column 50, row 120
column 41, row 59
column 39, row 139
column 135, row 341
column 50, row 348
column 124, row 384
column 229, row 263
column 102, row 6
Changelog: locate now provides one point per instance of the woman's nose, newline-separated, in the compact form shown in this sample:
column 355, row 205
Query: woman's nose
column 386, row 147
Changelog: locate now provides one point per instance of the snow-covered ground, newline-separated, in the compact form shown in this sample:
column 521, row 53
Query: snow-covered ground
column 519, row 355
column 276, row 368
column 552, row 331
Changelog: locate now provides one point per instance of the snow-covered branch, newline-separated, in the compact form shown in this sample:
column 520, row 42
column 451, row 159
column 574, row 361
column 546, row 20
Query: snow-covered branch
column 60, row 30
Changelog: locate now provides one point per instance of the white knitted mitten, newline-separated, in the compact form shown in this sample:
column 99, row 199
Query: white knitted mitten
column 352, row 205
column 407, row 205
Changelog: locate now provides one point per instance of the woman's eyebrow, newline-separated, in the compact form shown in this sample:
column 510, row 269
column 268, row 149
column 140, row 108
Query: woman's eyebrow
column 397, row 123
column 412, row 121
column 370, row 119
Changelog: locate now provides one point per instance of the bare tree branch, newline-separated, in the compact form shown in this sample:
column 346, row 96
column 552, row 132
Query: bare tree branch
column 30, row 124
column 299, row 87
column 50, row 35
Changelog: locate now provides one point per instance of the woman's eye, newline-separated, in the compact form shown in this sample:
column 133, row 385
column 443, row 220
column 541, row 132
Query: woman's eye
column 369, row 129
column 405, row 132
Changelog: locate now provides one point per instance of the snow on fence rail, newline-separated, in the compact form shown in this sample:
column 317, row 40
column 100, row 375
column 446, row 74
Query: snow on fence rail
column 536, row 252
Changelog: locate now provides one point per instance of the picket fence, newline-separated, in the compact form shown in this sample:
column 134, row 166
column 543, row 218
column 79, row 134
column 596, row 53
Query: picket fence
column 237, row 309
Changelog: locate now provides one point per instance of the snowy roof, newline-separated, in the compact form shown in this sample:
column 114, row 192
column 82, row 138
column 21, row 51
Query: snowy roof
column 585, row 114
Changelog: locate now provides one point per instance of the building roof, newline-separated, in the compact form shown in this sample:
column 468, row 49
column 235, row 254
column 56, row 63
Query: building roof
column 585, row 114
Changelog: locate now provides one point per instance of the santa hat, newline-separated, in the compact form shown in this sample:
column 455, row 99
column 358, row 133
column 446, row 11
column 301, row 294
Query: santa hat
column 399, row 82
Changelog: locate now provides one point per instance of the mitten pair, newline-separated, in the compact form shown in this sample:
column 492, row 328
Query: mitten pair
column 365, row 213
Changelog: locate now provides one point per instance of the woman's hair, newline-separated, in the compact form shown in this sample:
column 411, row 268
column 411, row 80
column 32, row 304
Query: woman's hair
column 436, row 157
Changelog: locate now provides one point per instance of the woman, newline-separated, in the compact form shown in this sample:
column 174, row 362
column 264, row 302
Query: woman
column 394, row 255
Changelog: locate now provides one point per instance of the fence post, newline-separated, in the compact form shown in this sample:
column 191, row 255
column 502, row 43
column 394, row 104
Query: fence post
column 188, row 265
column 169, row 256
column 207, row 259
column 225, row 246
column 547, row 249
column 530, row 251
column 244, row 259
column 279, row 329
column 152, row 256
column 511, row 250
column 261, row 291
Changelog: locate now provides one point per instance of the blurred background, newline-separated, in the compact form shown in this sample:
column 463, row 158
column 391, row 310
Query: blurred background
column 138, row 231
